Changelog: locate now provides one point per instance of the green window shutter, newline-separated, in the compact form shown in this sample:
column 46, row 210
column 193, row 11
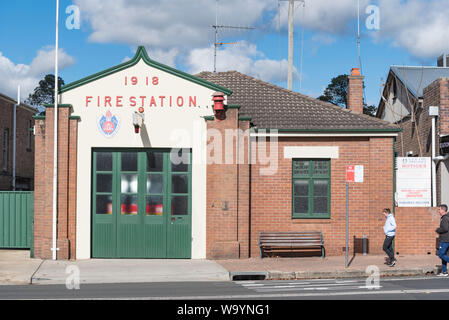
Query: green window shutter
column 311, row 188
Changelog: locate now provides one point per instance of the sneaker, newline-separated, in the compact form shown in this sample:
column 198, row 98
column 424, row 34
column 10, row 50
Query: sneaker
column 443, row 274
column 392, row 264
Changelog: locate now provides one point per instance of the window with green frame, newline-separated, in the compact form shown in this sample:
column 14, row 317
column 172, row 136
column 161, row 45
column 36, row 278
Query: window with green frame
column 311, row 188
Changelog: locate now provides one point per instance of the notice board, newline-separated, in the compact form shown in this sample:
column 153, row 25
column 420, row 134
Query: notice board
column 414, row 182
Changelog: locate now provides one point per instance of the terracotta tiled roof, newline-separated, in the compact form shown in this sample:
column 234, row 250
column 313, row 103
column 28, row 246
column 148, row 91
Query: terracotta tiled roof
column 273, row 107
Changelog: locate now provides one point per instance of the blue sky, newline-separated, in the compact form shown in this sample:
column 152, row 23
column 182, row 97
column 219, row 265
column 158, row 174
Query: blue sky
column 178, row 33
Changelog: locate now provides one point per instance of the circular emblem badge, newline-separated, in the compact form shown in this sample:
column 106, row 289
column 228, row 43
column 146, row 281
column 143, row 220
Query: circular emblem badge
column 108, row 124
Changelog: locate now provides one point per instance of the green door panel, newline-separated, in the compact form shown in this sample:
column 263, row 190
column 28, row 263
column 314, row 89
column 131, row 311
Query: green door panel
column 141, row 204
column 16, row 218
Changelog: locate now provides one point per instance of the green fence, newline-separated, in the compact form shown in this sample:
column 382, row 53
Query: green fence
column 16, row 220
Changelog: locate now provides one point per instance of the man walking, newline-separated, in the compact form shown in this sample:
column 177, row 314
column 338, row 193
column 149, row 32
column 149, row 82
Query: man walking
column 390, row 233
column 443, row 231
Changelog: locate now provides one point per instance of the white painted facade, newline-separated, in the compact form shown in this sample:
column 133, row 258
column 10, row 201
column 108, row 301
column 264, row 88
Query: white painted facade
column 165, row 127
column 395, row 105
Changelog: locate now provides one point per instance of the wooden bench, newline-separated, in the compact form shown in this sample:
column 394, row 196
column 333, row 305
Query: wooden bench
column 290, row 241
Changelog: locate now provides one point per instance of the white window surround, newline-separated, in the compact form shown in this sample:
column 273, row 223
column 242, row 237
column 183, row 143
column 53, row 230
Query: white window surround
column 311, row 152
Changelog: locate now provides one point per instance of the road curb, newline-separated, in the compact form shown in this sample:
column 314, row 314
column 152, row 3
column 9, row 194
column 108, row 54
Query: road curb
column 303, row 275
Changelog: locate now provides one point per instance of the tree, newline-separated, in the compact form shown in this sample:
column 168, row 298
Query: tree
column 337, row 93
column 44, row 93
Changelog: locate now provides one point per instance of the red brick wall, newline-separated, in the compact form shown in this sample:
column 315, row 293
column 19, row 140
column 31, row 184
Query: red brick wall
column 43, row 203
column 228, row 229
column 355, row 94
column 24, row 155
column 415, row 233
column 271, row 196
column 417, row 136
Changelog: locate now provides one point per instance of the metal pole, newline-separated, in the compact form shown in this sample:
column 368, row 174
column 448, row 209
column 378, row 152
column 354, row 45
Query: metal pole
column 434, row 169
column 216, row 37
column 14, row 143
column 55, row 136
column 347, row 225
column 358, row 33
column 291, row 11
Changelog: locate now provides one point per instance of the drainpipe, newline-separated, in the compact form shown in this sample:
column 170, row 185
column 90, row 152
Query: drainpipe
column 433, row 112
column 55, row 139
column 434, row 167
column 15, row 141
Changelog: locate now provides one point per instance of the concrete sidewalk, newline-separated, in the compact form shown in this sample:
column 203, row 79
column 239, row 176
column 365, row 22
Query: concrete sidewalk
column 131, row 271
column 17, row 268
column 331, row 267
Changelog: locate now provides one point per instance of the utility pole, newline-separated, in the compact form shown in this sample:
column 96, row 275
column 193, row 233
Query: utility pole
column 291, row 13
column 219, row 44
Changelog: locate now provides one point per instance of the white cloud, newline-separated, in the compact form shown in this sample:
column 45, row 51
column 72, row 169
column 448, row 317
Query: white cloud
column 28, row 76
column 420, row 27
column 167, row 57
column 165, row 24
column 245, row 58
column 328, row 16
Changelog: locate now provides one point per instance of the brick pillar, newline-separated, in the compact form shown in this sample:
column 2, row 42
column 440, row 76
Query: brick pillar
column 244, row 191
column 43, row 203
column 227, row 189
column 355, row 91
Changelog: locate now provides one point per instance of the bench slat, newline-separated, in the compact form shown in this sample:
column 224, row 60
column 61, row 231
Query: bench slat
column 281, row 241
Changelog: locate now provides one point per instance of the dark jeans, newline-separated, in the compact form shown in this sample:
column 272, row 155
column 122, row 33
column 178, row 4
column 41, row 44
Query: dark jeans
column 442, row 253
column 388, row 247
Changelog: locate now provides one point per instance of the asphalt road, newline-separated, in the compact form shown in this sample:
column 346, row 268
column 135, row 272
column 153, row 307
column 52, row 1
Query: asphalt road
column 331, row 289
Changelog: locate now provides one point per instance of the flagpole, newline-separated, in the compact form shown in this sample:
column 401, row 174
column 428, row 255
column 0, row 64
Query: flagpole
column 55, row 155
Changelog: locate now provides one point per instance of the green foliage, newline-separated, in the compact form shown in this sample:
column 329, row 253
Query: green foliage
column 44, row 93
column 337, row 93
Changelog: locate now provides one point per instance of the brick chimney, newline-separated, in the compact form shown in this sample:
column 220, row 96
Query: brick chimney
column 355, row 91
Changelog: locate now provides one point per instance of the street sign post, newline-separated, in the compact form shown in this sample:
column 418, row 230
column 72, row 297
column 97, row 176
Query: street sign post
column 354, row 174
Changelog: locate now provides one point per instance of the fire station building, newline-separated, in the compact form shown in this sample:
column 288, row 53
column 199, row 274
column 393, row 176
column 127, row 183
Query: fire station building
column 157, row 163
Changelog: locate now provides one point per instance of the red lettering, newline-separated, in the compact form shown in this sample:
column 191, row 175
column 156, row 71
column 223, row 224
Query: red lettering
column 107, row 100
column 155, row 81
column 162, row 100
column 180, row 101
column 153, row 102
column 192, row 101
column 134, row 81
column 133, row 101
column 88, row 101
column 119, row 101
column 126, row 81
column 98, row 101
column 143, row 100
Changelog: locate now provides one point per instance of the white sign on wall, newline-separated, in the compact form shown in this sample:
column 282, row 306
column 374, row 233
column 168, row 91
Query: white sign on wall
column 414, row 182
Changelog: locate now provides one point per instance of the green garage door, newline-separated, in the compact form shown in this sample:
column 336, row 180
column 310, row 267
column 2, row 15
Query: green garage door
column 141, row 204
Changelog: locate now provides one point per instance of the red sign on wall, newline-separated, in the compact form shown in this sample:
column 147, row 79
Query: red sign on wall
column 350, row 174
column 354, row 174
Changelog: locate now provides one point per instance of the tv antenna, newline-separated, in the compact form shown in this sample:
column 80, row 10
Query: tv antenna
column 358, row 35
column 218, row 27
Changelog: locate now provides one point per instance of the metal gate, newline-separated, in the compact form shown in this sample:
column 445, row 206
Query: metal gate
column 141, row 204
column 16, row 219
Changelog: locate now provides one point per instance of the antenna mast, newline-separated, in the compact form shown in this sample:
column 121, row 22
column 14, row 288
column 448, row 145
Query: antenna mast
column 358, row 34
column 291, row 12
column 216, row 27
